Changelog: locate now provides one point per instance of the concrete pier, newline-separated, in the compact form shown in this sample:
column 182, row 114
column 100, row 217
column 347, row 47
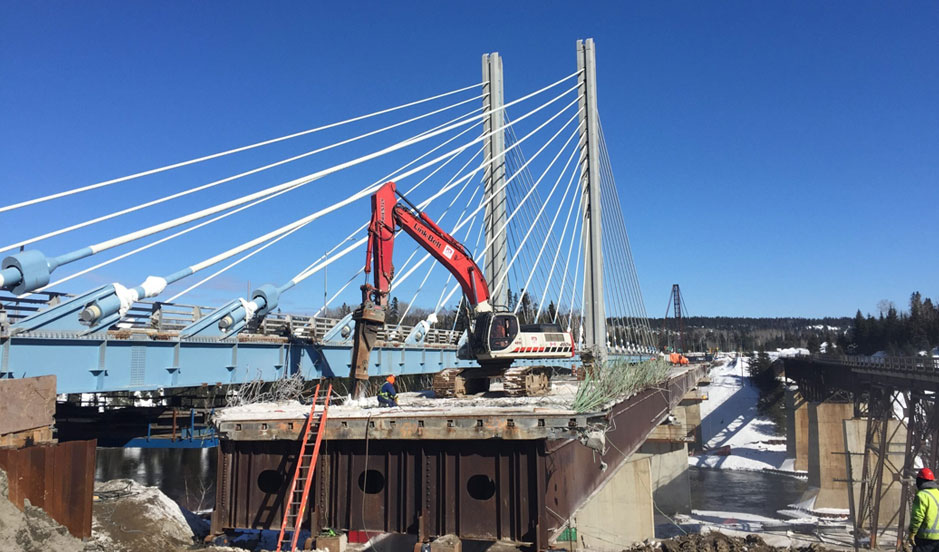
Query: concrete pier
column 827, row 454
column 619, row 513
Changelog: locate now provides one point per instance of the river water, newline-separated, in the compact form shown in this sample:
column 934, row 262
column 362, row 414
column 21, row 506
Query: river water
column 185, row 475
column 752, row 492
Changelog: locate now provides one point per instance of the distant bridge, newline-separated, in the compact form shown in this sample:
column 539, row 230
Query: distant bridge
column 896, row 399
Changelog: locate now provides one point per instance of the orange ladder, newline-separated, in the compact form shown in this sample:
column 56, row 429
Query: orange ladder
column 306, row 465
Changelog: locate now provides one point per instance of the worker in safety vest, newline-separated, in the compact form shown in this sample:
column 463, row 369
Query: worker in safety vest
column 924, row 519
column 388, row 396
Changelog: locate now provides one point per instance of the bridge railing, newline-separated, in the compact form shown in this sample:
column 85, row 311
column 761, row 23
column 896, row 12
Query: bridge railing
column 896, row 363
column 173, row 317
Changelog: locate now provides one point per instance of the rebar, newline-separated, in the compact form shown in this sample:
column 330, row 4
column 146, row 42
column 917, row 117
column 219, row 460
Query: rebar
column 615, row 380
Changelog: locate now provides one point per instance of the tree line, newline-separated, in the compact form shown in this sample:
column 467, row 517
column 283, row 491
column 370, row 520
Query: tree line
column 739, row 333
column 896, row 333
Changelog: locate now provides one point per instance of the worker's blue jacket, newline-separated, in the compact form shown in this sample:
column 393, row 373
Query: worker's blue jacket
column 387, row 396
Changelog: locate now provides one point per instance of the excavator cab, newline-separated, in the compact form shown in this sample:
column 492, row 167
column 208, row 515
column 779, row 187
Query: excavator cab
column 492, row 332
column 503, row 327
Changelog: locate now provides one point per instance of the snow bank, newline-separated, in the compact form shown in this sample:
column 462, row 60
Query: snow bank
column 729, row 418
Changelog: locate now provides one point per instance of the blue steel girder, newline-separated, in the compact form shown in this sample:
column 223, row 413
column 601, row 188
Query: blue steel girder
column 118, row 361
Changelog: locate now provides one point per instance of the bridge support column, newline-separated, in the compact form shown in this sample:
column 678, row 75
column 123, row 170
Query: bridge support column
column 594, row 316
column 621, row 512
column 671, row 484
column 495, row 214
column 690, row 408
column 826, row 453
column 797, row 437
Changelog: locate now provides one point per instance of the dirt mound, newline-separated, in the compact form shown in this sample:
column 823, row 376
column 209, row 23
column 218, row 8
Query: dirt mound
column 129, row 516
column 31, row 530
column 718, row 542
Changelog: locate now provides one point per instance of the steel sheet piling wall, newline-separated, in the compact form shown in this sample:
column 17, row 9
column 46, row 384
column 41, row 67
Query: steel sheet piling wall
column 57, row 478
column 521, row 490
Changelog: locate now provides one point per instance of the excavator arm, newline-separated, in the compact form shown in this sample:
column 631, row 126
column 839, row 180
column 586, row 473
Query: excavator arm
column 387, row 216
column 496, row 339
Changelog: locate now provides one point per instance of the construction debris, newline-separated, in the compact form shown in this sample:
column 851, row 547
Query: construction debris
column 130, row 517
column 718, row 542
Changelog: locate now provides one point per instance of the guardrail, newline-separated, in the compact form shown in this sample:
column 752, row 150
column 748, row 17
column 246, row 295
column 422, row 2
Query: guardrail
column 899, row 364
column 173, row 317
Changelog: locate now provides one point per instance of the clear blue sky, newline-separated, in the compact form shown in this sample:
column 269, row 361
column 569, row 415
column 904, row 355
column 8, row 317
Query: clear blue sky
column 774, row 158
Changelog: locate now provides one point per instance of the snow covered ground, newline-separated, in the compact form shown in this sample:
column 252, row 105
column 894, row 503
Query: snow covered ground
column 729, row 418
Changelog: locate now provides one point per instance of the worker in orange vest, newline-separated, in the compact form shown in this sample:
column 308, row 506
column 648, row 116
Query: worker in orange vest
column 387, row 396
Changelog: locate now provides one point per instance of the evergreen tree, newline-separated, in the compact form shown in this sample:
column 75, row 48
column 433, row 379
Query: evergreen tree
column 393, row 315
column 813, row 344
column 552, row 311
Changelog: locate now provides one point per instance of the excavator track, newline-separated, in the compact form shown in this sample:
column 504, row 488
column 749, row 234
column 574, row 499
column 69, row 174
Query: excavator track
column 527, row 381
column 521, row 381
column 444, row 383
column 459, row 382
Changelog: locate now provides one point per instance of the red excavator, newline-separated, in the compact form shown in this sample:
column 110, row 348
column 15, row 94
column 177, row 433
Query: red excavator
column 494, row 338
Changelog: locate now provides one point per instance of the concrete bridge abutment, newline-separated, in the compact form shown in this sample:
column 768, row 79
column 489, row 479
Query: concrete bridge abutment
column 621, row 512
column 654, row 480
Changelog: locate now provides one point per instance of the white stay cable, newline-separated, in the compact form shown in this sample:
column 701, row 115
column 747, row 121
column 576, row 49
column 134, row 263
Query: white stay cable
column 443, row 300
column 443, row 290
column 527, row 181
column 153, row 244
column 212, row 184
column 282, row 236
column 507, row 181
column 120, row 240
column 317, row 265
column 233, row 264
column 557, row 250
column 627, row 250
column 224, row 215
column 283, row 229
column 619, row 285
column 228, row 152
column 526, row 220
column 343, row 288
column 578, row 260
column 467, row 178
column 398, row 281
column 574, row 208
column 557, row 212
column 388, row 177
column 535, row 185
column 306, row 274
column 575, row 237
